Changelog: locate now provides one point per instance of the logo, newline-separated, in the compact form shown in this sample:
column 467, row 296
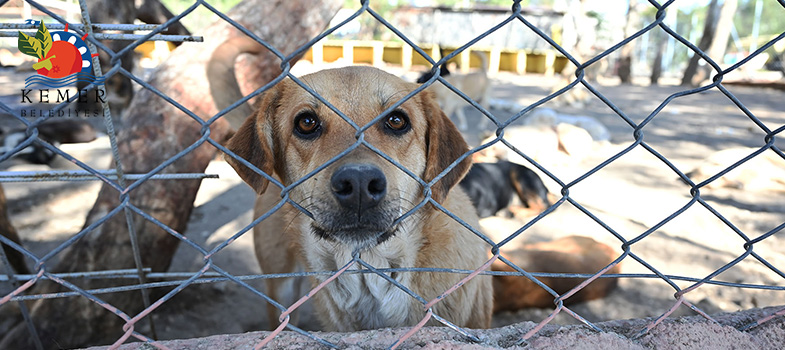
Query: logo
column 63, row 58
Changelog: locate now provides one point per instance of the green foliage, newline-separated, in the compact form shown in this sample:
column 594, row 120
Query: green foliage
column 30, row 46
column 37, row 46
column 371, row 28
column 771, row 20
column 450, row 3
column 45, row 38
column 219, row 4
column 501, row 3
column 200, row 17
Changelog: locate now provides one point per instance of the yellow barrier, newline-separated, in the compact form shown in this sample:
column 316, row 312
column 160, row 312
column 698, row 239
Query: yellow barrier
column 378, row 53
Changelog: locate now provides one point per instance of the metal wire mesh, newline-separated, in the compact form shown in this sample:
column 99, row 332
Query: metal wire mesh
column 125, row 187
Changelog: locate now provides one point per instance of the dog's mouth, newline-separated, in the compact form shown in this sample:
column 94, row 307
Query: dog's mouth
column 358, row 235
column 358, row 229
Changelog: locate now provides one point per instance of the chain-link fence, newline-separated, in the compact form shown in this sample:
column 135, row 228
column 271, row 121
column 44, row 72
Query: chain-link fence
column 124, row 186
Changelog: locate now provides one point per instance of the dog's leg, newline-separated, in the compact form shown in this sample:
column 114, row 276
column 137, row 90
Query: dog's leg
column 462, row 124
column 482, row 125
column 275, row 253
column 298, row 286
column 521, row 212
column 486, row 103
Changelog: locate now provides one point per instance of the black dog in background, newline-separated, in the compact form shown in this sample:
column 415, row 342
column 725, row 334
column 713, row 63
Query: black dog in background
column 427, row 75
column 491, row 186
column 55, row 132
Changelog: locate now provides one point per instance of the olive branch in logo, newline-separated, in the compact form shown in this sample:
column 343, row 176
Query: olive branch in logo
column 37, row 46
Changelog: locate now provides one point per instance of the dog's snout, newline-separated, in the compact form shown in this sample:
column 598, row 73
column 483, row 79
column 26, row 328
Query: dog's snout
column 359, row 186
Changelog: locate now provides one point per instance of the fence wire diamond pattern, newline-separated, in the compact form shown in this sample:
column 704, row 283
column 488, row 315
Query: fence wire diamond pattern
column 126, row 184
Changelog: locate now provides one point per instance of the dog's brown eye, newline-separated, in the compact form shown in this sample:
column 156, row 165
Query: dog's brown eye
column 307, row 125
column 397, row 122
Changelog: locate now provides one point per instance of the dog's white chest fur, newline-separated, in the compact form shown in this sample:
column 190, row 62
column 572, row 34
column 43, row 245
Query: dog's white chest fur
column 365, row 300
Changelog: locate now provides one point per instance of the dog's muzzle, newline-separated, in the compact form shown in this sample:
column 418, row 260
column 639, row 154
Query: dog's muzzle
column 361, row 216
column 358, row 187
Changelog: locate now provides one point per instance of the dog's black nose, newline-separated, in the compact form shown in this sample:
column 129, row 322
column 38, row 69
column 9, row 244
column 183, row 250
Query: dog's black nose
column 359, row 186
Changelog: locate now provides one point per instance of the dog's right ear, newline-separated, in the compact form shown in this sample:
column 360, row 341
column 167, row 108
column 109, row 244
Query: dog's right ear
column 253, row 142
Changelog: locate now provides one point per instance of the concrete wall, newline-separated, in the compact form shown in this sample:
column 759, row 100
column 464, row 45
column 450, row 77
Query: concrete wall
column 454, row 28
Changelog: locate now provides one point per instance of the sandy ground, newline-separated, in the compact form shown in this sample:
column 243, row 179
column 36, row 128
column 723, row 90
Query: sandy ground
column 673, row 334
column 631, row 195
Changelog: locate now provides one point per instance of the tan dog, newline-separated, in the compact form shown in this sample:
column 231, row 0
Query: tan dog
column 572, row 254
column 355, row 201
column 476, row 85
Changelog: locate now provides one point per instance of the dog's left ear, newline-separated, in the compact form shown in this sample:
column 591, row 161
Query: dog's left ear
column 444, row 144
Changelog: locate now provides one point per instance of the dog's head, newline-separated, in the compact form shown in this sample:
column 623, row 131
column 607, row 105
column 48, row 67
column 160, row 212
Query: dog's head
column 356, row 198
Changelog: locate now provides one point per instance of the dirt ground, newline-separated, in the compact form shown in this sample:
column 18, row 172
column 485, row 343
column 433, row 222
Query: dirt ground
column 686, row 333
column 631, row 195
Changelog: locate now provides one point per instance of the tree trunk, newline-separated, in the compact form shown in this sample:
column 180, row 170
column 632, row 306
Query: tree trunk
column 656, row 66
column 154, row 131
column 15, row 257
column 709, row 28
column 722, row 34
column 119, row 87
column 625, row 61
